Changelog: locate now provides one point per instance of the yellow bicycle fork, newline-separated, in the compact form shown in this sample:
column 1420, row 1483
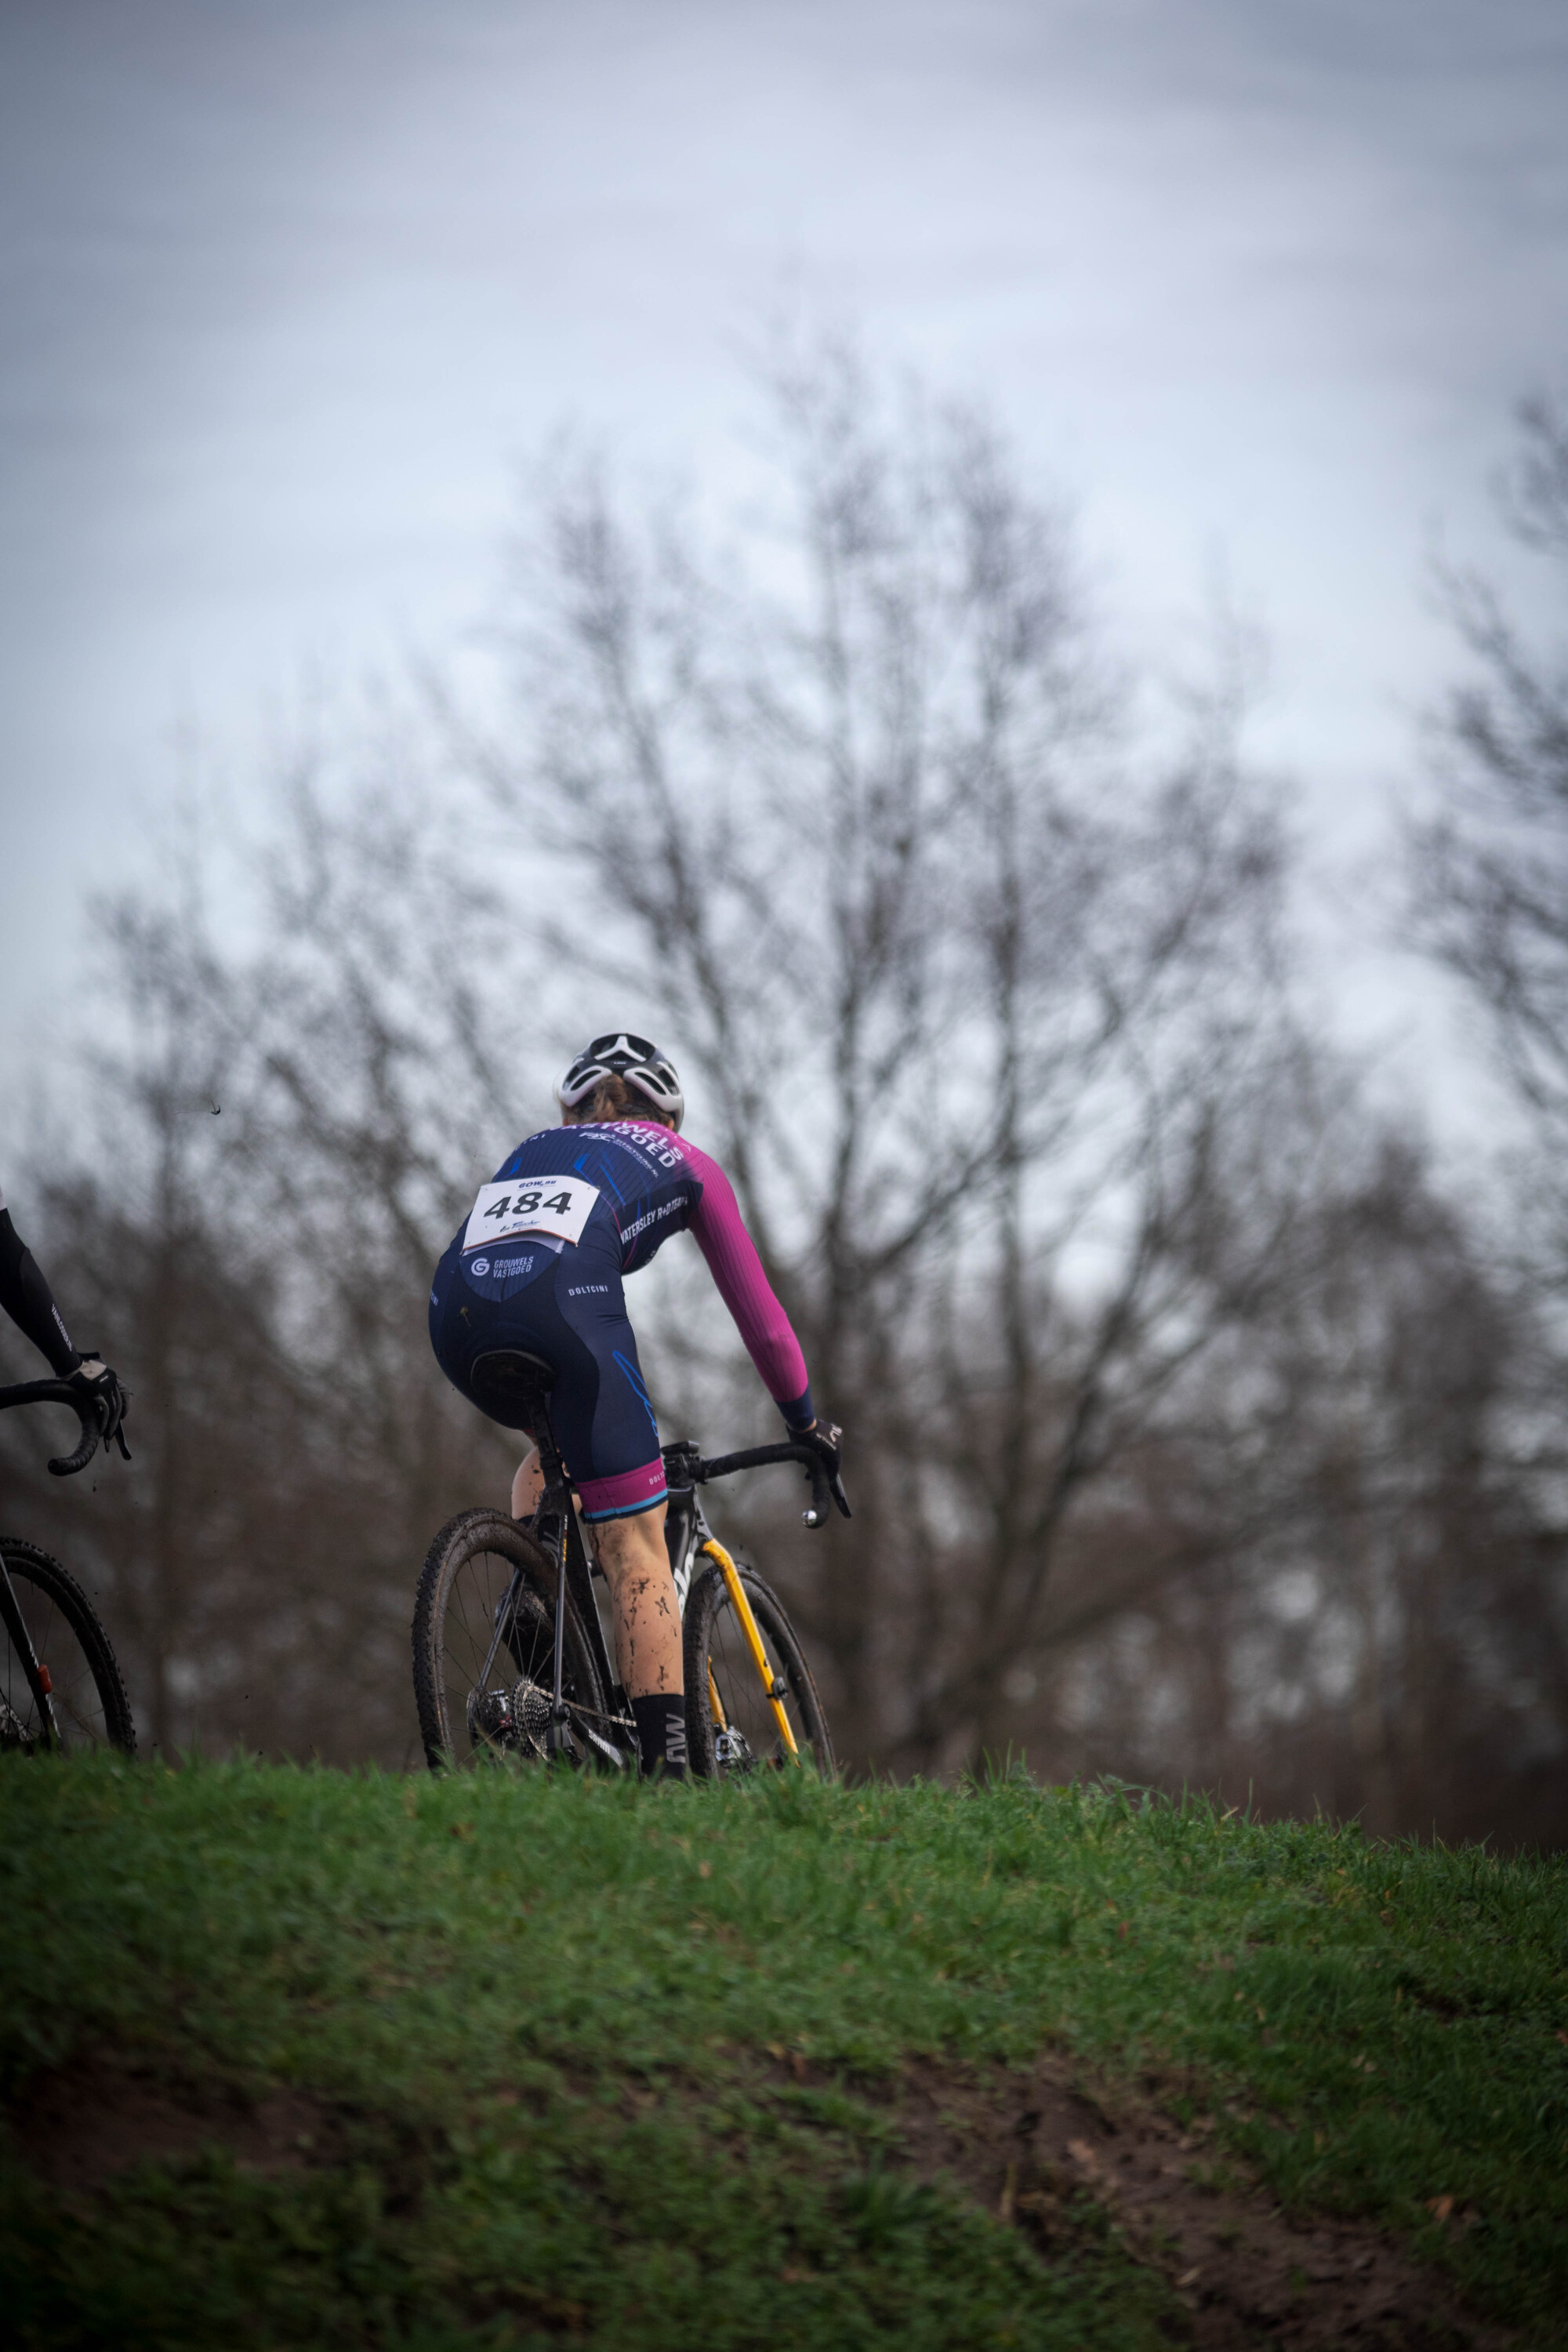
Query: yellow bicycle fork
column 771, row 1682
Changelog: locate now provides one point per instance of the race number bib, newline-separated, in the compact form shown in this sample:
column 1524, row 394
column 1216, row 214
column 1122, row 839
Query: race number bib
column 557, row 1205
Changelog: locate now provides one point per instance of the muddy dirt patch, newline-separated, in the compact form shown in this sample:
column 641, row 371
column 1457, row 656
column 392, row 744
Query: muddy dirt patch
column 83, row 2124
column 1031, row 2144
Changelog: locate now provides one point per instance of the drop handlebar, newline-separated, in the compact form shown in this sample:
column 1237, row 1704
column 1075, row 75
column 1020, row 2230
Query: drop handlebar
column 758, row 1457
column 64, row 1465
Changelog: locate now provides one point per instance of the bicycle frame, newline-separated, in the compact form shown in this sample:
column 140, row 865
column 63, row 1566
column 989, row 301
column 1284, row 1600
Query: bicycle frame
column 521, row 1382
column 688, row 1538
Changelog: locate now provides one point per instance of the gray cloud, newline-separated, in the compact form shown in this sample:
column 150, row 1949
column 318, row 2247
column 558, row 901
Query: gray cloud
column 287, row 285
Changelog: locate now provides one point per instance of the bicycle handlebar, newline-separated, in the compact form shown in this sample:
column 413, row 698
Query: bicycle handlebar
column 757, row 1457
column 64, row 1465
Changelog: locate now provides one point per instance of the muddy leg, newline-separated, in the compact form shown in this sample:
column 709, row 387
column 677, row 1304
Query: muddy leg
column 527, row 1486
column 647, row 1635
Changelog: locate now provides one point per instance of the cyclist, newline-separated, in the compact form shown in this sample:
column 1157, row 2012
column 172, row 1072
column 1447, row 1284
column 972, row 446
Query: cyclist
column 29, row 1302
column 538, row 1264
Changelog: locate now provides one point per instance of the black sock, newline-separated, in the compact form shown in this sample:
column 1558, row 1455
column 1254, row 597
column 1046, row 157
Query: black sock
column 662, row 1734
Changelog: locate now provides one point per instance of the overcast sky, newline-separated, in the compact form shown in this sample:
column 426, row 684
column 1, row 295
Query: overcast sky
column 288, row 291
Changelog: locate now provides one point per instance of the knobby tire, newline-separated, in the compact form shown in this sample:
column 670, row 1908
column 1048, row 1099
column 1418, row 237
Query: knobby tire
column 465, row 1575
column 90, row 1706
column 714, row 1639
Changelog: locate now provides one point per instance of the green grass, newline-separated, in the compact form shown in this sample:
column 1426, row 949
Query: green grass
column 536, row 2015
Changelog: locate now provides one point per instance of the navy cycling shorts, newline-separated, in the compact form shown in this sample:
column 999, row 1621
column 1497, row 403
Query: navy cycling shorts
column 572, row 1311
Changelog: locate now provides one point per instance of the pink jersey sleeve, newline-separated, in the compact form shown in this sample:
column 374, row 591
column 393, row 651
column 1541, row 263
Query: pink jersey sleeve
column 736, row 1268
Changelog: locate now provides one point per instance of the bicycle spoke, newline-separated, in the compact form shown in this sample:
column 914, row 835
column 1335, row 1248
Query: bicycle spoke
column 484, row 1648
column 732, row 1711
column 77, row 1680
column 748, row 1714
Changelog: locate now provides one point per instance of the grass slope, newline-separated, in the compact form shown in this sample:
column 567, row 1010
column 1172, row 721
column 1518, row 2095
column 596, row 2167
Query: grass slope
column 527, row 2024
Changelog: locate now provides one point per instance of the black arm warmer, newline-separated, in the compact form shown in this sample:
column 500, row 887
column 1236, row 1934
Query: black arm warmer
column 26, row 1299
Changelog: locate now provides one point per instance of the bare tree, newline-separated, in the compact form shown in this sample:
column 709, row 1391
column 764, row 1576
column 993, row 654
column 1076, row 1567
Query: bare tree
column 1490, row 871
column 1191, row 1430
column 980, row 992
column 1378, row 1621
column 281, row 1150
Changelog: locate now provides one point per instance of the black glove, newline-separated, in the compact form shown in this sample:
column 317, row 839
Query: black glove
column 93, row 1379
column 825, row 1439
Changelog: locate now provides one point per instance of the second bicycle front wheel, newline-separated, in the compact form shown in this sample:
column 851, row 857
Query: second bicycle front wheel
column 90, row 1708
column 732, row 1724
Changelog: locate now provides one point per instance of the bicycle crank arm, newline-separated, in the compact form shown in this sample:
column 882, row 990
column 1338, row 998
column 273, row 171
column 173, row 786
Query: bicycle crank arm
column 611, row 1754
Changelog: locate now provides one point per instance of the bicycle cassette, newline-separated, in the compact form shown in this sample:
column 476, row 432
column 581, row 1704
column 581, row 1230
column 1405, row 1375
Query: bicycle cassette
column 516, row 1717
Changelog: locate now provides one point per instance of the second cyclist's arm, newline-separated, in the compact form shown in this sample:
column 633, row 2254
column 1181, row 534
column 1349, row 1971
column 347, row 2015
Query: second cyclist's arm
column 737, row 1271
column 28, row 1300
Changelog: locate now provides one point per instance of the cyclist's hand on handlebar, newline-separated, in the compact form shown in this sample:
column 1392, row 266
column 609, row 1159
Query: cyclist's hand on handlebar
column 93, row 1381
column 826, row 1440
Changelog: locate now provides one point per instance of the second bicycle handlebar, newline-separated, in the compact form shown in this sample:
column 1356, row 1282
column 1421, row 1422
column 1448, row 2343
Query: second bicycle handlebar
column 64, row 1465
column 757, row 1457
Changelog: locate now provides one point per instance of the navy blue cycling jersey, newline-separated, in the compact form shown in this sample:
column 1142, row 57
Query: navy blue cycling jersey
column 539, row 1263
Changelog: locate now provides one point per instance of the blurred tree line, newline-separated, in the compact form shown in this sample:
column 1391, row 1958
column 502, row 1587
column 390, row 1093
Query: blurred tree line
column 1197, row 1429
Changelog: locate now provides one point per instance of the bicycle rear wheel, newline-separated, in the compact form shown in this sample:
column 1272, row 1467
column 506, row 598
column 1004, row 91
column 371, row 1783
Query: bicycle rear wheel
column 731, row 1726
column 468, row 1714
column 91, row 1709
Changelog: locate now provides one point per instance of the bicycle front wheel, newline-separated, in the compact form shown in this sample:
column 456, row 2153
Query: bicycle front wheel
column 732, row 1723
column 90, row 1707
column 484, row 1650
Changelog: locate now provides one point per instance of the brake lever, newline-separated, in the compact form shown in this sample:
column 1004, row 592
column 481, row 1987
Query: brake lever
column 115, row 1434
column 818, row 1478
column 822, row 1487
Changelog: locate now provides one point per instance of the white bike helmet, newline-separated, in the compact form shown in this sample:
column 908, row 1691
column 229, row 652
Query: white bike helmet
column 633, row 1059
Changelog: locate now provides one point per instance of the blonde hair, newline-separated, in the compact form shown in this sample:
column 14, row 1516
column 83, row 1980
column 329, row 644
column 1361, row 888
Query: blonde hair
column 612, row 1098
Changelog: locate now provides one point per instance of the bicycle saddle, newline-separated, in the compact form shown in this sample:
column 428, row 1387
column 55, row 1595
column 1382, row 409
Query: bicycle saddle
column 511, row 1384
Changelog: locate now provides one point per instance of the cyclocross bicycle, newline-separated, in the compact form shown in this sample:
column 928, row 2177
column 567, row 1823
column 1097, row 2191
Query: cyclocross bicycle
column 510, row 1652
column 59, row 1684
